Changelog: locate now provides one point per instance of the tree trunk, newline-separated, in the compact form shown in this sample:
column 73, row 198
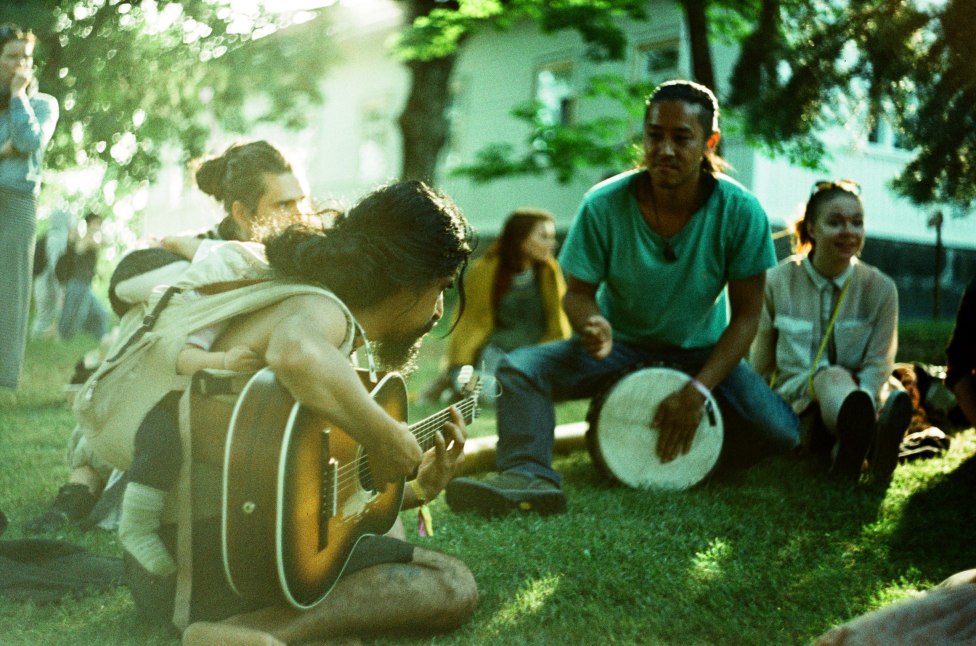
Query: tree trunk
column 423, row 123
column 701, row 55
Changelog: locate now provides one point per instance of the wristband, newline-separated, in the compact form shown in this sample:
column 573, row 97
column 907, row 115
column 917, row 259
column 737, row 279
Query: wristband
column 701, row 388
column 425, row 522
column 418, row 491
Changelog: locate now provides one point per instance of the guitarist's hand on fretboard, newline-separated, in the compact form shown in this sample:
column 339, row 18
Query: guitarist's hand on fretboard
column 441, row 462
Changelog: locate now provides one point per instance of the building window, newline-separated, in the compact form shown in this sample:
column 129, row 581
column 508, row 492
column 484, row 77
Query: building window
column 555, row 94
column 658, row 61
column 884, row 135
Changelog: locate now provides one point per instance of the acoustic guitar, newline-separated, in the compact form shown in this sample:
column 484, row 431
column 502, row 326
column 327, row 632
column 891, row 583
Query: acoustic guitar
column 298, row 493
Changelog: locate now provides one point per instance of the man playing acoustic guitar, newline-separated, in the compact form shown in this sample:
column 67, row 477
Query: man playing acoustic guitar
column 385, row 264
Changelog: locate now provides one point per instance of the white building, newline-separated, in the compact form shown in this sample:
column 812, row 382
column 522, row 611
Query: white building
column 354, row 142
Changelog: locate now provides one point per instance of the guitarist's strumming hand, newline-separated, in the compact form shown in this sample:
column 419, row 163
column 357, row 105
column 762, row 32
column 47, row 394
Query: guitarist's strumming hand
column 440, row 462
column 395, row 458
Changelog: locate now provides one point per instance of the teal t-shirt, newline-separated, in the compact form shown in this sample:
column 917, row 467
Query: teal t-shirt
column 647, row 299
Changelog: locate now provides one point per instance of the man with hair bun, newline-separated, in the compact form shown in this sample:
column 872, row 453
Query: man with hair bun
column 260, row 192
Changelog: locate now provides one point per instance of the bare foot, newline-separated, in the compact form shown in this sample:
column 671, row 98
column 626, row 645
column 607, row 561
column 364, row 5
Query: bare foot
column 205, row 633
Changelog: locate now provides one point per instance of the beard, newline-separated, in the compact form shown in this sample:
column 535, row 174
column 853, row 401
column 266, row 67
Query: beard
column 399, row 352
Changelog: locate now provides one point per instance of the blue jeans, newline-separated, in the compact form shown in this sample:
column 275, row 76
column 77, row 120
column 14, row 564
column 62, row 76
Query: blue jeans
column 81, row 311
column 756, row 420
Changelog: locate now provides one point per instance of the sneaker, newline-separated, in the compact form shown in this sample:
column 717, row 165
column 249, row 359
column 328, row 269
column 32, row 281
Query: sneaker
column 73, row 503
column 855, row 430
column 504, row 493
column 894, row 419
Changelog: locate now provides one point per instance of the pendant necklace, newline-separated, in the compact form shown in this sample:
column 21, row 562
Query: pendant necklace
column 666, row 249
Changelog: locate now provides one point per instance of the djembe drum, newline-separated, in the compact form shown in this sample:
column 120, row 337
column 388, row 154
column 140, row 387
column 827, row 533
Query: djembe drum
column 623, row 445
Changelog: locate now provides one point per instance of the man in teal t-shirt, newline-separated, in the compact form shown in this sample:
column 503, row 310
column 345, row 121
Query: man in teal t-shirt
column 652, row 300
column 665, row 264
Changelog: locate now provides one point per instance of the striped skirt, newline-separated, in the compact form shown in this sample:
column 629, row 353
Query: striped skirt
column 18, row 225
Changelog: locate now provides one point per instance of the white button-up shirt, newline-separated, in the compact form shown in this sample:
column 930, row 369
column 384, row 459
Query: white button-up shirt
column 798, row 305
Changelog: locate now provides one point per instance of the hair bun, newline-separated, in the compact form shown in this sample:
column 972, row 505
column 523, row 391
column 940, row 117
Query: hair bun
column 210, row 176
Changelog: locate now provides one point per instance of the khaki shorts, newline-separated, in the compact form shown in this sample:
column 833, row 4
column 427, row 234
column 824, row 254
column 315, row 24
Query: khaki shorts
column 81, row 454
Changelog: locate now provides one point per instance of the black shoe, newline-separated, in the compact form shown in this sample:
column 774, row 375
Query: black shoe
column 108, row 505
column 894, row 419
column 73, row 502
column 855, row 430
column 504, row 493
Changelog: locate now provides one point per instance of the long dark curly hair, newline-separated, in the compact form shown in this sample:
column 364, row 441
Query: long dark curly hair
column 403, row 235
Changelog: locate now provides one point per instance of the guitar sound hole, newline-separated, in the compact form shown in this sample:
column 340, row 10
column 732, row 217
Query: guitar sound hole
column 365, row 474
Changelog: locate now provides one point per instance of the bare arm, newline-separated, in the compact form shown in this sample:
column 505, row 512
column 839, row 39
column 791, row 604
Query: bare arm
column 186, row 246
column 303, row 352
column 679, row 414
column 762, row 353
column 192, row 359
column 882, row 347
column 584, row 315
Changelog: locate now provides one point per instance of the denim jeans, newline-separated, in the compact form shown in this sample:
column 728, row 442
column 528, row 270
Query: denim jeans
column 756, row 420
column 81, row 311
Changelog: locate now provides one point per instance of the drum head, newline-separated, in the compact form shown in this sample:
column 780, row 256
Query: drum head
column 628, row 444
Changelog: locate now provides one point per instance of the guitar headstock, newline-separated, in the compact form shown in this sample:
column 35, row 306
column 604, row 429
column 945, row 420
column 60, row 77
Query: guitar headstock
column 470, row 388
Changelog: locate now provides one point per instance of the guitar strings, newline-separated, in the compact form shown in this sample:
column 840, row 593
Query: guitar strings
column 425, row 429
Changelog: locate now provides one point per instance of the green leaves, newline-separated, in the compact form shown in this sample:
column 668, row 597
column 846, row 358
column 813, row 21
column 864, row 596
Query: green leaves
column 609, row 142
column 138, row 81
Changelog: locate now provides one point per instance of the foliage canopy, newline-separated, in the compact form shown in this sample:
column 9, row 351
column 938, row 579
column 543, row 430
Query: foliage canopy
column 140, row 81
column 803, row 67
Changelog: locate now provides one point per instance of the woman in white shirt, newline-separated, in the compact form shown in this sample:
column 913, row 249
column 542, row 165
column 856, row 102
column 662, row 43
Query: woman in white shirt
column 829, row 333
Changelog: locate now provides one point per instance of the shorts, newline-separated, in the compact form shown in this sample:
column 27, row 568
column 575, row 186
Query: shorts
column 212, row 599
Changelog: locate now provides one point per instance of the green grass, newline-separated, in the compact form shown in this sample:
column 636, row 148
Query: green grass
column 773, row 555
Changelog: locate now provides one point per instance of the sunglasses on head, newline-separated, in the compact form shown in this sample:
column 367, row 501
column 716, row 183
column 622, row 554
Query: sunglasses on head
column 848, row 185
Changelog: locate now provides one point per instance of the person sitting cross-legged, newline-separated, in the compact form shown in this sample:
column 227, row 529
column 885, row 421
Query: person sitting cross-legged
column 665, row 263
column 388, row 585
column 828, row 335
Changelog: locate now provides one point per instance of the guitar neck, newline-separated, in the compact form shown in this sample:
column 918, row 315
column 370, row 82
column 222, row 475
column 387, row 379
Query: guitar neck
column 426, row 429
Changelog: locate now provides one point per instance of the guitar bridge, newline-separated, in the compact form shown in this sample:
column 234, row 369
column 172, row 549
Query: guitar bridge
column 330, row 492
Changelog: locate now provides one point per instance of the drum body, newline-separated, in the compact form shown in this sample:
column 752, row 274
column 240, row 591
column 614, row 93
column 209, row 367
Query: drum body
column 623, row 444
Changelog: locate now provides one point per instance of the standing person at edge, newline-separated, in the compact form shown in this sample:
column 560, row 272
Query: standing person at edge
column 665, row 263
column 27, row 121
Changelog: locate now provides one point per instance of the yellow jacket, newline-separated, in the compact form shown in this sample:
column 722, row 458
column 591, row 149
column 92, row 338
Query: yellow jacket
column 478, row 321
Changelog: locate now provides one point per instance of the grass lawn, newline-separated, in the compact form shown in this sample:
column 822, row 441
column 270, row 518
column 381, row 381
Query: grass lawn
column 773, row 555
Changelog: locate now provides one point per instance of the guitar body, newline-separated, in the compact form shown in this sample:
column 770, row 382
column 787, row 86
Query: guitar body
column 298, row 494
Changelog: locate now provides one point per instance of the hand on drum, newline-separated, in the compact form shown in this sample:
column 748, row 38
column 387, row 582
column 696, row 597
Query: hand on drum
column 597, row 337
column 676, row 420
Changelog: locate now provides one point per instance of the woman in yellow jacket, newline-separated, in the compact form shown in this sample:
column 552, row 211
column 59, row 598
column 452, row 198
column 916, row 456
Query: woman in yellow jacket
column 513, row 297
